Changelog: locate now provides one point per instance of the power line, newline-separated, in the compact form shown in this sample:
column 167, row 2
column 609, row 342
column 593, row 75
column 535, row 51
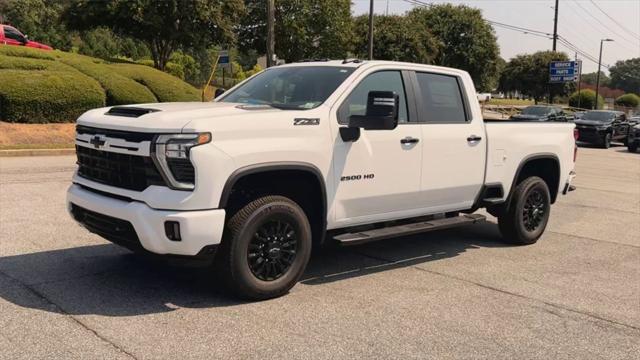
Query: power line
column 607, row 28
column 615, row 21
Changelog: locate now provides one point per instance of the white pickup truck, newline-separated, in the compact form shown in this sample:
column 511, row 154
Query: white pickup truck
column 306, row 154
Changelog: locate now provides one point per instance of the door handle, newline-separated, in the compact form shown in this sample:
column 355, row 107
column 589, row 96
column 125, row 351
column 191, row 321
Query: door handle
column 409, row 140
column 474, row 138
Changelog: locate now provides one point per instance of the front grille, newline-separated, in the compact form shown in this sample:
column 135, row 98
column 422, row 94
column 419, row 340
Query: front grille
column 182, row 170
column 116, row 230
column 118, row 134
column 125, row 171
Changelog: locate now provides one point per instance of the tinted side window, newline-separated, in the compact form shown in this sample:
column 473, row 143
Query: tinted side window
column 356, row 103
column 441, row 98
column 9, row 33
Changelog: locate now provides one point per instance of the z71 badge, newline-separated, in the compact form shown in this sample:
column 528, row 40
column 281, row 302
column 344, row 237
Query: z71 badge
column 306, row 121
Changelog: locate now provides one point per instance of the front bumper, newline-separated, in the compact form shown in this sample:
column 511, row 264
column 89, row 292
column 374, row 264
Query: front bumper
column 590, row 135
column 198, row 229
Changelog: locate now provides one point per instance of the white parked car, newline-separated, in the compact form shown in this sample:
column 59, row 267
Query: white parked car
column 304, row 154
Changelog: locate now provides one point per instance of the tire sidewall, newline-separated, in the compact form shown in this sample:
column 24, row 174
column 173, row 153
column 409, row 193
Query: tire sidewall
column 532, row 236
column 239, row 248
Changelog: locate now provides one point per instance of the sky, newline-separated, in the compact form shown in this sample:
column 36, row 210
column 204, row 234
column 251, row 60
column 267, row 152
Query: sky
column 580, row 22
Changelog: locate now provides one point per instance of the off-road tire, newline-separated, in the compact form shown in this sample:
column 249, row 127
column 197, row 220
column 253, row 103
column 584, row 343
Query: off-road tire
column 232, row 261
column 512, row 223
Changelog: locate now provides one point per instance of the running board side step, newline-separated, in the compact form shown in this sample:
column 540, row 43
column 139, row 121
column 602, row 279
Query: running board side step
column 361, row 237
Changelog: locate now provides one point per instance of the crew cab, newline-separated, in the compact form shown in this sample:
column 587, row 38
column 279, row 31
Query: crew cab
column 12, row 36
column 601, row 127
column 541, row 113
column 308, row 154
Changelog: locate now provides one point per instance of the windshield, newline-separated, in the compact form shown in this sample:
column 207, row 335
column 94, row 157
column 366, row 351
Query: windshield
column 598, row 116
column 297, row 87
column 536, row 110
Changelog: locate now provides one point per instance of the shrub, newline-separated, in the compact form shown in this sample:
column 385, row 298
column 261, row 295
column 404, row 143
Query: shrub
column 26, row 52
column 119, row 90
column 587, row 99
column 628, row 100
column 256, row 69
column 47, row 96
column 164, row 86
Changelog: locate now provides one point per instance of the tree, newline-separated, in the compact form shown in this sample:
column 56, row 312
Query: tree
column 529, row 74
column 466, row 40
column 395, row 38
column 163, row 26
column 591, row 78
column 304, row 29
column 585, row 99
column 625, row 75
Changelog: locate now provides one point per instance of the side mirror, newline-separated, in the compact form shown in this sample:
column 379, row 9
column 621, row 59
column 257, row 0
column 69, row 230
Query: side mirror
column 218, row 92
column 381, row 113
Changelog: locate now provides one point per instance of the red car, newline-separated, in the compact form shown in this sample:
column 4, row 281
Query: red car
column 11, row 36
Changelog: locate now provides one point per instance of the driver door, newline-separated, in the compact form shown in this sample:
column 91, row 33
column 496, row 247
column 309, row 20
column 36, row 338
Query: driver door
column 13, row 36
column 378, row 174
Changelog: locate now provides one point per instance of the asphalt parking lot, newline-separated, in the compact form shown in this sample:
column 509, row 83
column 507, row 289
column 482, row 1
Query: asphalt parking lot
column 65, row 293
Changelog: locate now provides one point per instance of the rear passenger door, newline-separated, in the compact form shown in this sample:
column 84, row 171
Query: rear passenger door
column 454, row 144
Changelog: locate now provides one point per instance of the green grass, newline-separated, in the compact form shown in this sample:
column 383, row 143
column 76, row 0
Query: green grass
column 39, row 86
column 495, row 101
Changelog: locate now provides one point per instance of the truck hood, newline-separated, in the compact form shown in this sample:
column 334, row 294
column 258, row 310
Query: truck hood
column 522, row 117
column 167, row 117
column 592, row 122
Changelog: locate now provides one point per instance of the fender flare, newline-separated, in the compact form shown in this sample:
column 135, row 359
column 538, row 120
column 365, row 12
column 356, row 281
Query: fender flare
column 276, row 166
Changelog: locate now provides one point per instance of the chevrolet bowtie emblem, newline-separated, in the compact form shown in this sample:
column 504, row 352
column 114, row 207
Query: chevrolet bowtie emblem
column 97, row 141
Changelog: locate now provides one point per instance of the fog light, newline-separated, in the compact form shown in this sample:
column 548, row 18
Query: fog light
column 172, row 230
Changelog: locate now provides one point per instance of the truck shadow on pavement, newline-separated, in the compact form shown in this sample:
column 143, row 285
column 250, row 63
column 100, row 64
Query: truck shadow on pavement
column 109, row 281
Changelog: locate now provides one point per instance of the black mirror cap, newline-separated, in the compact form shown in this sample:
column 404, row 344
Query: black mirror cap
column 381, row 113
column 218, row 92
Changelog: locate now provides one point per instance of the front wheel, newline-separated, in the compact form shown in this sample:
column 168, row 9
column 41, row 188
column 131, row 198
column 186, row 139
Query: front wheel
column 266, row 248
column 632, row 146
column 527, row 214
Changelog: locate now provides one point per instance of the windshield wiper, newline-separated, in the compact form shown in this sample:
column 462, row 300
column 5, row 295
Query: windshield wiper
column 285, row 106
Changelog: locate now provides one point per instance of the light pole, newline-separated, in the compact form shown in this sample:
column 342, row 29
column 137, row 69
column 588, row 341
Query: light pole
column 371, row 30
column 598, row 73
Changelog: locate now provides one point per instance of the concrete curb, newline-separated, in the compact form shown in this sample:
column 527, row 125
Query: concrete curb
column 37, row 152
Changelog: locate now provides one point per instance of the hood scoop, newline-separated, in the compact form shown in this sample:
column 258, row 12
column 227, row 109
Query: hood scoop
column 129, row 111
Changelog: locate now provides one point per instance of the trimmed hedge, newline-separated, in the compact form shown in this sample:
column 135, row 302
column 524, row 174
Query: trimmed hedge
column 587, row 99
column 164, row 86
column 119, row 89
column 628, row 100
column 53, row 86
column 28, row 96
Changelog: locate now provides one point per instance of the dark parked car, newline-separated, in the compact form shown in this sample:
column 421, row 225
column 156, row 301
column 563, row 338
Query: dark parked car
column 541, row 113
column 603, row 126
column 633, row 139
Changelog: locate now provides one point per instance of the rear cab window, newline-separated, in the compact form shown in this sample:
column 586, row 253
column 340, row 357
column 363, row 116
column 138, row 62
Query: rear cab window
column 440, row 99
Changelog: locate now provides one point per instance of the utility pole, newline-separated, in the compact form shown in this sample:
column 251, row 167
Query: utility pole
column 598, row 73
column 579, row 78
column 270, row 33
column 370, row 29
column 555, row 26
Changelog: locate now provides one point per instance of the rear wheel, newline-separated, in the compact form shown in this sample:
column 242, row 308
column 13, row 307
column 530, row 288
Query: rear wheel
column 266, row 248
column 527, row 214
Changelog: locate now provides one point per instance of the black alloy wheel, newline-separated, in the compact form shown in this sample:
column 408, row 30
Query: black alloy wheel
column 534, row 210
column 272, row 250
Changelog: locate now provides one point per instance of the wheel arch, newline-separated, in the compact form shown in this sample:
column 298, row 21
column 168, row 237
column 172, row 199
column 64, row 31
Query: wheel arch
column 543, row 165
column 316, row 205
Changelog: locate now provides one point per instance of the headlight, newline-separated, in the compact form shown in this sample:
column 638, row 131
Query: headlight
column 171, row 154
